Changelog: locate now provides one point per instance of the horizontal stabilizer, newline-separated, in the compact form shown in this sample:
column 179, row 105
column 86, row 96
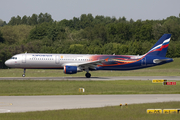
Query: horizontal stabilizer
column 160, row 60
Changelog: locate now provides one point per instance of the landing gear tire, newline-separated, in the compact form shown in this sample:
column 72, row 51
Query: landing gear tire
column 23, row 75
column 88, row 75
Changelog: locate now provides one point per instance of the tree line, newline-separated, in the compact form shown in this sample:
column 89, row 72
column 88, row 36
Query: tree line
column 85, row 35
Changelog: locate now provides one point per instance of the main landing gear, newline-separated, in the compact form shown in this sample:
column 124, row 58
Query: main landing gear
column 23, row 75
column 88, row 75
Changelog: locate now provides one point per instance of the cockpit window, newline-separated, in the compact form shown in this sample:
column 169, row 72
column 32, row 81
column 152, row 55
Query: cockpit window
column 14, row 58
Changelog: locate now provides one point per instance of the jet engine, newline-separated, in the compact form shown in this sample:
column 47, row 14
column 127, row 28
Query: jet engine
column 71, row 69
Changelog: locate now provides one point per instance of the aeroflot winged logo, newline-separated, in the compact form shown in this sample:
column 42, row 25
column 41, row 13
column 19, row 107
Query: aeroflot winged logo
column 73, row 63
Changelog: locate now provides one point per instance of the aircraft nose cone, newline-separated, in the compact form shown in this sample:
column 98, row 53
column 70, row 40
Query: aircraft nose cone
column 8, row 63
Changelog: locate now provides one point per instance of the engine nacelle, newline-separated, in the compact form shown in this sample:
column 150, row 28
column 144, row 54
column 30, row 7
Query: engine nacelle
column 71, row 69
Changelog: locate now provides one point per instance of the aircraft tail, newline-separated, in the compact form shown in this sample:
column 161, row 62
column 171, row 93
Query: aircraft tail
column 161, row 46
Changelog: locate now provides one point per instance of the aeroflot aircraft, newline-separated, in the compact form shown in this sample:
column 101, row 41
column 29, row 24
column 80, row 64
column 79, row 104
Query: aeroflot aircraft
column 73, row 63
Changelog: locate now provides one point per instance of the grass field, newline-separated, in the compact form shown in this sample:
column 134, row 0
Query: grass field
column 32, row 87
column 130, row 112
column 170, row 69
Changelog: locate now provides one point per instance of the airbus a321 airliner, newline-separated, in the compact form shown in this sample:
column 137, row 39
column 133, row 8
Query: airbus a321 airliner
column 73, row 63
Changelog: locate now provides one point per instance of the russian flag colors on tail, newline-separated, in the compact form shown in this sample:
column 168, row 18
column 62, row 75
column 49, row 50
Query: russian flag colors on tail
column 161, row 46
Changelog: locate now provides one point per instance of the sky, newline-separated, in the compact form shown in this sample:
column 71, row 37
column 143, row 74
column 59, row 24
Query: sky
column 67, row 9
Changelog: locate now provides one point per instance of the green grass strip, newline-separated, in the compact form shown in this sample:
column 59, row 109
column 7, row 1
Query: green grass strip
column 36, row 87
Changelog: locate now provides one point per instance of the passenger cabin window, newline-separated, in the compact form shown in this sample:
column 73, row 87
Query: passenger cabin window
column 40, row 58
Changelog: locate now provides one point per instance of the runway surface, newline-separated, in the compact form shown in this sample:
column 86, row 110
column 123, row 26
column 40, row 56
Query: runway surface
column 41, row 103
column 94, row 78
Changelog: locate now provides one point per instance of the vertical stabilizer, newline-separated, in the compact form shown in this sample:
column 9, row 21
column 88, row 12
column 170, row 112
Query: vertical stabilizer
column 161, row 46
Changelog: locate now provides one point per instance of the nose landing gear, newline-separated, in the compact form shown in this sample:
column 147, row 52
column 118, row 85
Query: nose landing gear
column 23, row 75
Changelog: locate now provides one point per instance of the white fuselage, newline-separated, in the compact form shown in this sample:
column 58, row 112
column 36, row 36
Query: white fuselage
column 39, row 60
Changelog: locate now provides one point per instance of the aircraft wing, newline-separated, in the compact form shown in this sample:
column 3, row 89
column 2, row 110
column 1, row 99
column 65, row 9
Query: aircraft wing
column 89, row 65
column 92, row 64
